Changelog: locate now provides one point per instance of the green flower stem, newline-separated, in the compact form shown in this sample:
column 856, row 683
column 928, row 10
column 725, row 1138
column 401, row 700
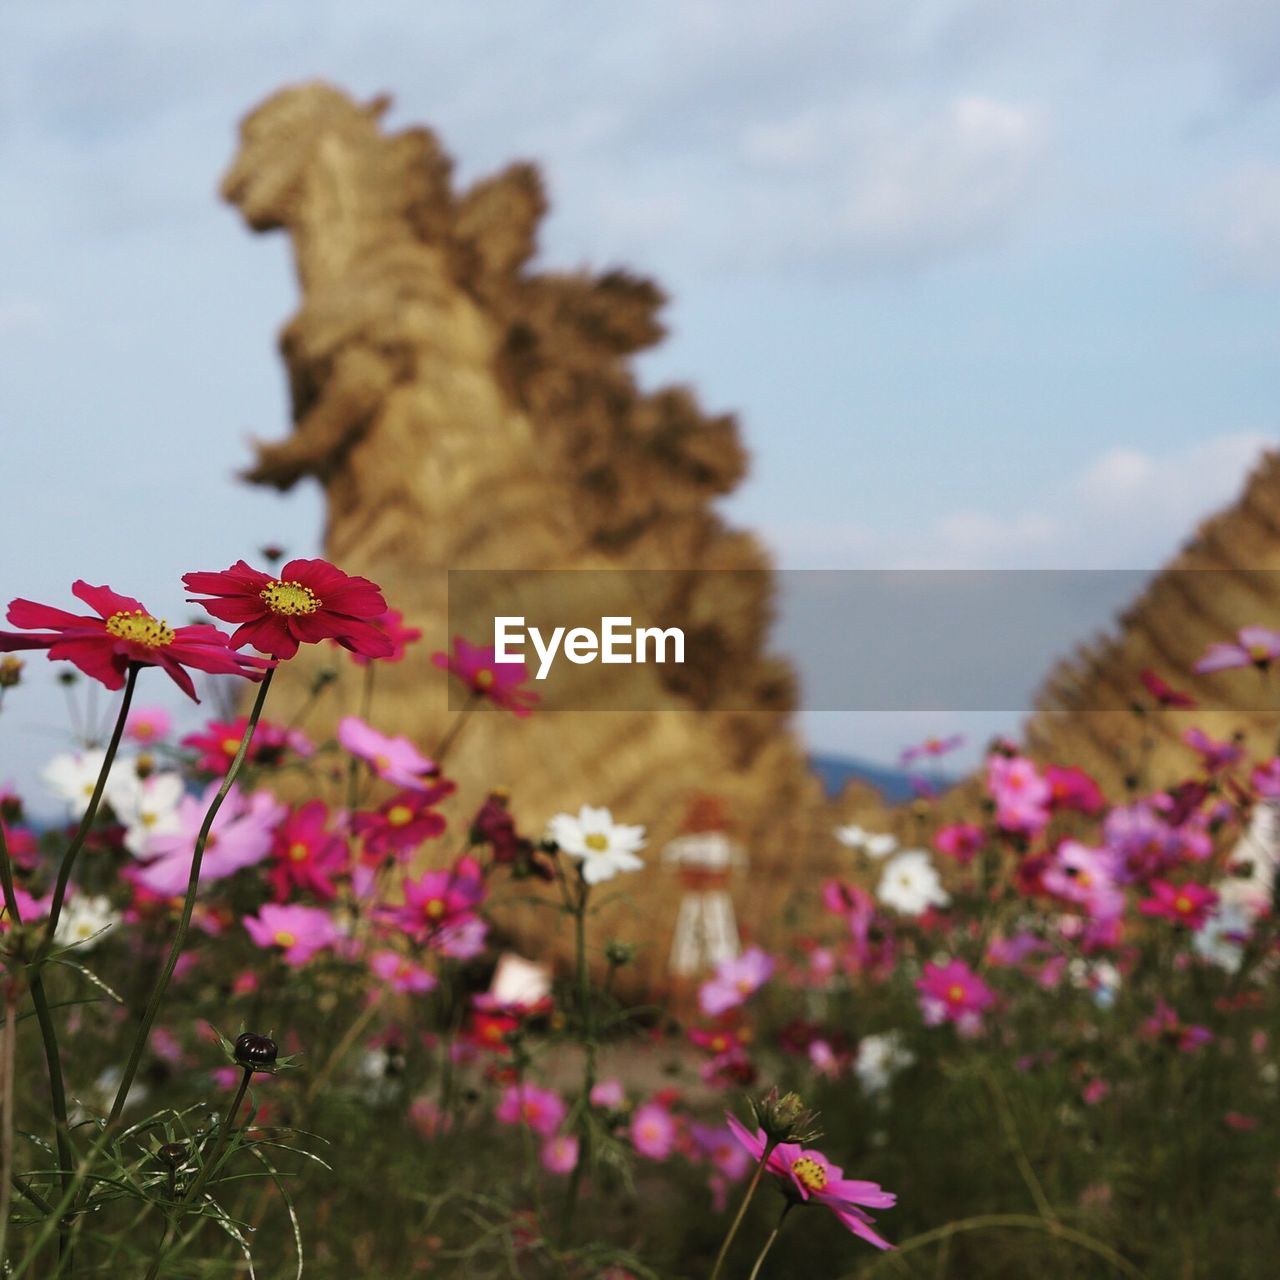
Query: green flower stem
column 768, row 1244
column 451, row 734
column 82, row 831
column 208, row 1165
column 742, row 1208
column 188, row 906
column 8, row 1042
column 588, row 1034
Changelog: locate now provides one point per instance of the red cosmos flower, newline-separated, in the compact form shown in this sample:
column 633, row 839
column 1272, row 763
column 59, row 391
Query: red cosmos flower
column 123, row 632
column 310, row 601
column 306, row 854
column 401, row 824
column 480, row 671
column 219, row 741
column 1071, row 787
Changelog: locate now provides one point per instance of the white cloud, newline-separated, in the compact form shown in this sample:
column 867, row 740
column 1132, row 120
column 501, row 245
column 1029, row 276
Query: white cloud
column 1128, row 509
column 868, row 187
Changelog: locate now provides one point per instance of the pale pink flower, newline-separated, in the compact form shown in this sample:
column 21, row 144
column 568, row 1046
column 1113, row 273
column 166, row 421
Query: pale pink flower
column 736, row 980
column 394, row 760
column 299, row 931
column 653, row 1131
column 543, row 1110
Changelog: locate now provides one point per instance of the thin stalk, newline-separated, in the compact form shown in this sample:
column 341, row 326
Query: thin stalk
column 451, row 734
column 188, row 906
column 768, row 1244
column 340, row 1050
column 588, row 1064
column 8, row 1041
column 742, row 1208
column 82, row 831
column 208, row 1165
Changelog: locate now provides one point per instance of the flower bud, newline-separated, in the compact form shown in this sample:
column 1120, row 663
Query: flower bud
column 619, row 953
column 785, row 1118
column 256, row 1052
column 10, row 671
column 172, row 1154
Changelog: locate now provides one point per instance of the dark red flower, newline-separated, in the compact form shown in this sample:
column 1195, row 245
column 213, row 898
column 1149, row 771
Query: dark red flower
column 121, row 634
column 310, row 601
column 1163, row 693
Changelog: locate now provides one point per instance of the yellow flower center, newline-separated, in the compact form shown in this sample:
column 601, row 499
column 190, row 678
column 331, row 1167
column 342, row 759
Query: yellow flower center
column 955, row 993
column 141, row 628
column 298, row 851
column 809, row 1173
column 1259, row 653
column 230, row 746
column 1183, row 904
column 596, row 842
column 283, row 938
column 433, row 908
column 399, row 815
column 382, row 763
column 289, row 598
column 483, row 679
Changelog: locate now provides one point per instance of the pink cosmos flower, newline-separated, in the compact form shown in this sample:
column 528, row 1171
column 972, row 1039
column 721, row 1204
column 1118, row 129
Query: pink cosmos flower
column 1215, row 755
column 218, row 742
column 120, row 634
column 1254, row 647
column 721, row 1150
column 953, row 993
column 608, row 1095
column 392, row 625
column 653, row 1131
column 441, row 900
column 1078, row 873
column 560, row 1154
column 394, row 760
column 1265, row 779
column 806, row 1176
column 1164, row 1024
column 399, row 825
column 241, row 836
column 400, row 973
column 543, row 1110
column 931, row 749
column 1022, row 796
column 735, row 981
column 310, row 601
column 299, row 931
column 961, row 841
column 307, row 854
column 148, row 724
column 1186, row 904
column 480, row 671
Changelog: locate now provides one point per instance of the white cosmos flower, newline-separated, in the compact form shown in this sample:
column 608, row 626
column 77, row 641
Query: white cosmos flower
column 605, row 847
column 911, row 885
column 73, row 776
column 85, row 920
column 875, row 844
column 1221, row 938
column 149, row 809
column 880, row 1058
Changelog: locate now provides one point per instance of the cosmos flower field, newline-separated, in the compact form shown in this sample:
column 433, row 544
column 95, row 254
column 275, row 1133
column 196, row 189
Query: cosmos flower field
column 245, row 1035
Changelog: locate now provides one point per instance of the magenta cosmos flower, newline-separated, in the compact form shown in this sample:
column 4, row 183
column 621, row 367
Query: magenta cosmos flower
column 121, row 634
column 736, row 980
column 401, row 824
column 483, row 674
column 310, row 601
column 1254, row 647
column 654, row 1131
column 1185, row 904
column 307, row 855
column 299, row 931
column 400, row 973
column 441, row 899
column 806, row 1176
column 543, row 1110
column 952, row 992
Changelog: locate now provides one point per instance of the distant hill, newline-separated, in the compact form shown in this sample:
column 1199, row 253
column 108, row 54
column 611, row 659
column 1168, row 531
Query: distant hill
column 835, row 771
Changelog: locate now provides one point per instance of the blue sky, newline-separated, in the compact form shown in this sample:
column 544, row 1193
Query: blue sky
column 990, row 283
